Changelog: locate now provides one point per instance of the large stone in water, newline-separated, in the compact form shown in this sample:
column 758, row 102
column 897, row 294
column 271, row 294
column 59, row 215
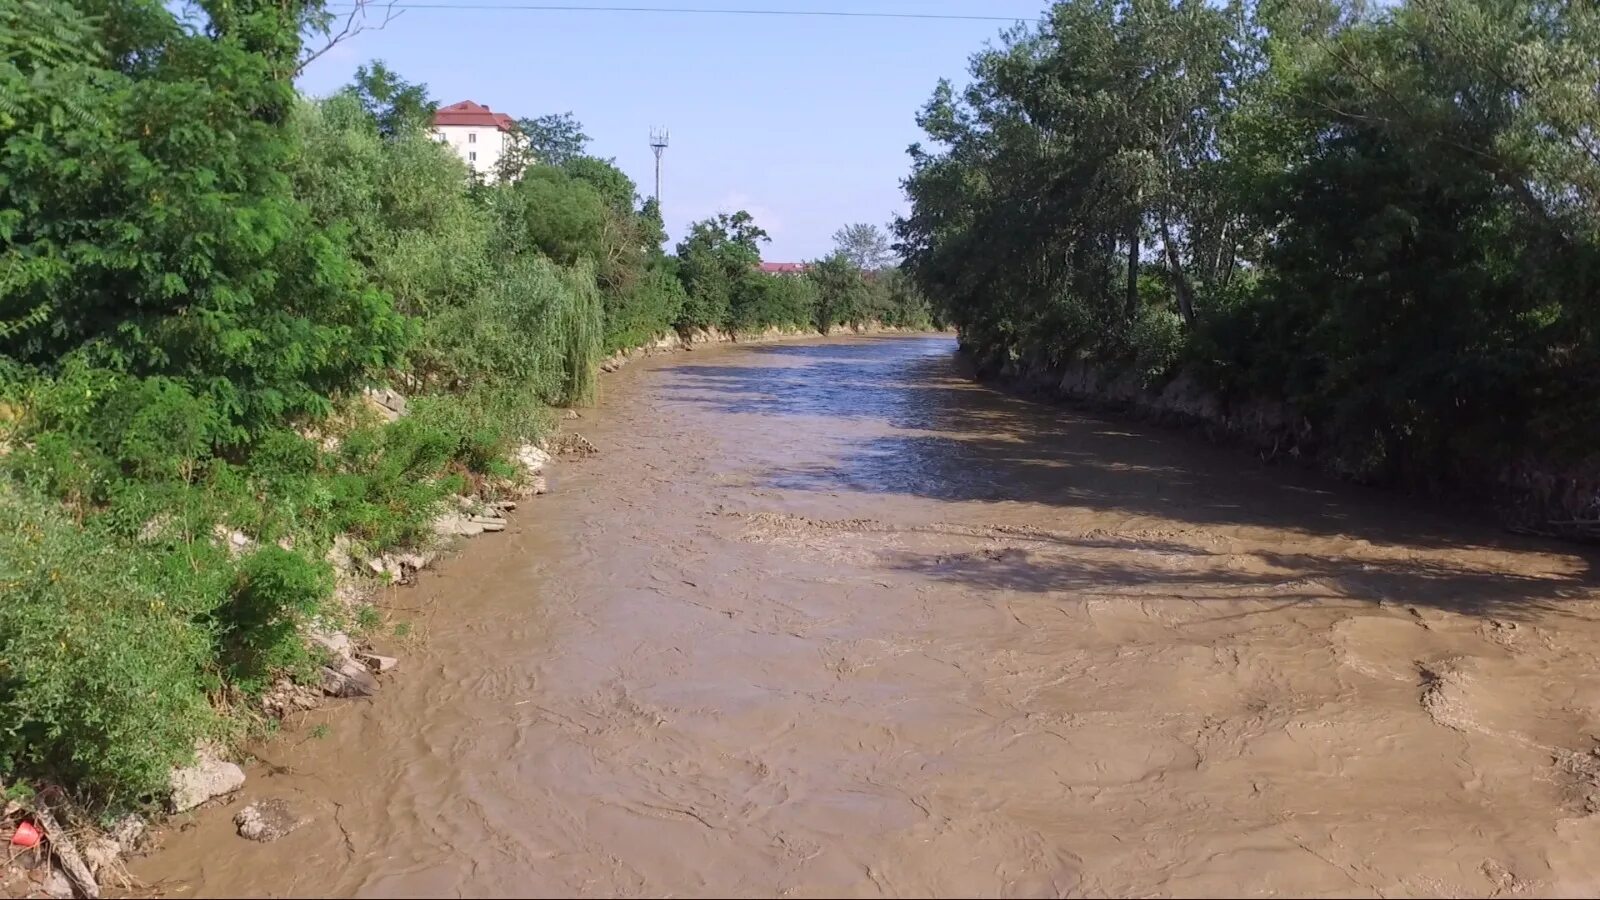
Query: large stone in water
column 267, row 820
column 349, row 679
column 456, row 525
column 207, row 779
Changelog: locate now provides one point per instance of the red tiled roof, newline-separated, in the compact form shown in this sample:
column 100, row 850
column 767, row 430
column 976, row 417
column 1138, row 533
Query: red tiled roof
column 472, row 114
column 778, row 268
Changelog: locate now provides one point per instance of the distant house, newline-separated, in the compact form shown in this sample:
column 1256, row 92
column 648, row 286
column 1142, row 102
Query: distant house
column 478, row 134
column 777, row 268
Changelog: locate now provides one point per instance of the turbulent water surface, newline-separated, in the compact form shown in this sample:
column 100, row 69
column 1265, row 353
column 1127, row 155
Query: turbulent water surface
column 830, row 619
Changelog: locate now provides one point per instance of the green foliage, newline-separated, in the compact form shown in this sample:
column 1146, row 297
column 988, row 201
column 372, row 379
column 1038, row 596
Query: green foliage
column 615, row 188
column 553, row 139
column 397, row 107
column 515, row 331
column 715, row 262
column 562, row 217
column 277, row 592
column 763, row 301
column 180, row 251
column 103, row 669
column 841, row 289
column 1383, row 217
column 845, row 294
column 652, row 230
column 648, row 310
column 865, row 246
column 899, row 301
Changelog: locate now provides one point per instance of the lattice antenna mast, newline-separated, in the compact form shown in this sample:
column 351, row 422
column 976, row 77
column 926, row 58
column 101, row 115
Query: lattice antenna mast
column 658, row 144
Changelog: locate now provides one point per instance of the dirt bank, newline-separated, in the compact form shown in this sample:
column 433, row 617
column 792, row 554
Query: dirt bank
column 830, row 619
column 676, row 341
column 1531, row 494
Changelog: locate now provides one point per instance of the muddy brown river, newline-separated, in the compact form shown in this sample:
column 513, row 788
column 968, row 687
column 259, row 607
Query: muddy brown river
column 830, row 619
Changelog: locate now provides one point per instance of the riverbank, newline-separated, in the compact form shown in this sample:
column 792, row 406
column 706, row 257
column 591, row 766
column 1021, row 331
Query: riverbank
column 1529, row 495
column 63, row 843
column 951, row 642
column 351, row 654
column 675, row 341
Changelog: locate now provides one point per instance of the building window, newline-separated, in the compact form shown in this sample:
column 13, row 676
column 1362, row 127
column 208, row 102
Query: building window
column 472, row 137
column 472, row 157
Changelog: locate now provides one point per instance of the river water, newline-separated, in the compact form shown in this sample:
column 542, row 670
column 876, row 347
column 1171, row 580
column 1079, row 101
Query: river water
column 831, row 620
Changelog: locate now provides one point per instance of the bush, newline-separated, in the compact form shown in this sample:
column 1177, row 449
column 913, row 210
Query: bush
column 277, row 592
column 645, row 312
column 104, row 675
column 1158, row 341
column 765, row 301
column 180, row 251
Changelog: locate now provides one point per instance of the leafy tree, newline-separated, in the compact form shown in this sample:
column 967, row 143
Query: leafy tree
column 560, row 216
column 652, row 228
column 554, row 139
column 182, row 250
column 396, row 105
column 715, row 261
column 646, row 310
column 842, row 292
column 865, row 245
column 1385, row 217
column 615, row 187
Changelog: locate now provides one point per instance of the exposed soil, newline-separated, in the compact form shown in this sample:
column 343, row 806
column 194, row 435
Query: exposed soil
column 832, row 620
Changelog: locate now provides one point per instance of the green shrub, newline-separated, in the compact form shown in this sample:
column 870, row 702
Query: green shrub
column 102, row 663
column 276, row 593
column 764, row 301
column 536, row 326
column 1158, row 341
column 385, row 486
column 645, row 312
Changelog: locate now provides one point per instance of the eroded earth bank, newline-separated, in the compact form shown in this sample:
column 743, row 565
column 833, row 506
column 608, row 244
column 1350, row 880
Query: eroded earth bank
column 831, row 619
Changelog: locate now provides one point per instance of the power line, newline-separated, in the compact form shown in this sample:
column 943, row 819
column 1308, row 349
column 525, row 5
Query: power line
column 552, row 7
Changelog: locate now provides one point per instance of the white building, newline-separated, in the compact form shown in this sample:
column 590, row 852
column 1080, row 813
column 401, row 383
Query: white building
column 479, row 135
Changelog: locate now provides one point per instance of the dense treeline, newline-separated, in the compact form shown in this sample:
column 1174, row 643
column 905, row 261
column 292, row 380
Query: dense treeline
column 200, row 274
column 1384, row 218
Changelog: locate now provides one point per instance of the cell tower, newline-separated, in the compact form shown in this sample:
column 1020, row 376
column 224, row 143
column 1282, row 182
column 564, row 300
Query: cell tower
column 658, row 143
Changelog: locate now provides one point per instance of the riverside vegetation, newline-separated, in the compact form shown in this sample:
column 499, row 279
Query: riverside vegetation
column 201, row 272
column 1379, row 222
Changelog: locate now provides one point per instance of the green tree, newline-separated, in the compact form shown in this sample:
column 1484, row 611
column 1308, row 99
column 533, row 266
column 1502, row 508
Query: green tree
column 562, row 217
column 1383, row 217
column 652, row 228
column 842, row 293
column 715, row 261
column 396, row 105
column 615, row 187
column 554, row 139
column 1076, row 141
column 865, row 245
column 182, row 251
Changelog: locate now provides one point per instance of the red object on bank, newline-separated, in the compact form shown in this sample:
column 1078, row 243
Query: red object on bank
column 26, row 836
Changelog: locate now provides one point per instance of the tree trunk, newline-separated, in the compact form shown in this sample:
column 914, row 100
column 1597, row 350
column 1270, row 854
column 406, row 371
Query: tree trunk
column 1131, row 305
column 1179, row 277
column 1216, row 260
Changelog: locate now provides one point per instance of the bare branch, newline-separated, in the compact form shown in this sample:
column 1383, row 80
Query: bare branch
column 354, row 24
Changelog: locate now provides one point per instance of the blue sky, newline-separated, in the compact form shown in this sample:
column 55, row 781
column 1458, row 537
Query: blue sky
column 802, row 121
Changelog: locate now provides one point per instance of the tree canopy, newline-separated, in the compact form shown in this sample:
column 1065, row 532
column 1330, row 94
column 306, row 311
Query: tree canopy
column 1382, row 216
